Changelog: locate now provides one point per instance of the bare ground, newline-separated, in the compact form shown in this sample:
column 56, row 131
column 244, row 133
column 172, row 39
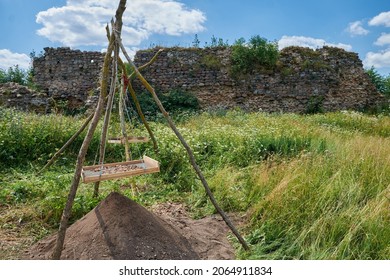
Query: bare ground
column 126, row 230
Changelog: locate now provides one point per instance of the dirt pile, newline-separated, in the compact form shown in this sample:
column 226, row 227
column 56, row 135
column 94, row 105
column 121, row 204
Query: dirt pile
column 118, row 228
column 207, row 236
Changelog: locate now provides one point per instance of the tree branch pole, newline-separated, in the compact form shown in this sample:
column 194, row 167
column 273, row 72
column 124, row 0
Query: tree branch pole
column 133, row 74
column 110, row 99
column 75, row 182
column 135, row 99
column 184, row 143
column 85, row 124
column 66, row 145
column 87, row 140
column 122, row 93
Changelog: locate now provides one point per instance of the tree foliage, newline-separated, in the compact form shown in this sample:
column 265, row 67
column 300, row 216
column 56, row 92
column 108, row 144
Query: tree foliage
column 257, row 53
column 16, row 75
column 382, row 83
column 13, row 74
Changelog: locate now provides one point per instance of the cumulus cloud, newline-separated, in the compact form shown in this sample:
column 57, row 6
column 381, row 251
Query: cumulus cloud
column 377, row 59
column 380, row 59
column 381, row 19
column 82, row 22
column 356, row 29
column 309, row 42
column 9, row 59
column 384, row 39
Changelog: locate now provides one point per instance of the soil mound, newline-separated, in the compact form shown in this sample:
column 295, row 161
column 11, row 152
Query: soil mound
column 118, row 228
column 208, row 236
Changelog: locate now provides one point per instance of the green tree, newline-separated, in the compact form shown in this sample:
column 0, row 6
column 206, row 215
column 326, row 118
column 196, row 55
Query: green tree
column 14, row 74
column 387, row 85
column 382, row 83
column 3, row 76
column 218, row 42
column 196, row 41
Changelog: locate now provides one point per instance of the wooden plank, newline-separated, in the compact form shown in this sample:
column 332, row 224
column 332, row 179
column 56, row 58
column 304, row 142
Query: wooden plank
column 150, row 162
column 118, row 170
column 130, row 139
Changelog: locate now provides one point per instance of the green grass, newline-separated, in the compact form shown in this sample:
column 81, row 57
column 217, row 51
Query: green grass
column 310, row 187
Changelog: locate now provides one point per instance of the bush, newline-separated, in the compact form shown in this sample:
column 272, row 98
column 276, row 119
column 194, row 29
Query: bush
column 173, row 101
column 315, row 105
column 258, row 53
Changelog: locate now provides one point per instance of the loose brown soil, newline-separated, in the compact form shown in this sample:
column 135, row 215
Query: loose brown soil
column 207, row 236
column 119, row 228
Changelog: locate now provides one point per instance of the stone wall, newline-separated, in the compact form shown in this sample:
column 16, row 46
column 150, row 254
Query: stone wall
column 327, row 79
column 13, row 95
column 303, row 80
column 68, row 75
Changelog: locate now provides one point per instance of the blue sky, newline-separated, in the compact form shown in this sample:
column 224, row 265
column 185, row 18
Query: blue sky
column 361, row 26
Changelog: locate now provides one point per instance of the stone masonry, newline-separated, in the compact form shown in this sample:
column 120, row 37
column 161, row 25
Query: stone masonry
column 327, row 79
column 13, row 95
column 68, row 75
column 330, row 78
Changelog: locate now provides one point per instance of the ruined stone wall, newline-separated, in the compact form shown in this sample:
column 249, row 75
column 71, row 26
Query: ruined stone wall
column 327, row 79
column 68, row 75
column 13, row 95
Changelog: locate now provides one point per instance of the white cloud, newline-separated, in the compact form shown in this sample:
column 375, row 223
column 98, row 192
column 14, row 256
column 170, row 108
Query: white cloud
column 381, row 19
column 9, row 59
column 356, row 29
column 82, row 22
column 384, row 39
column 309, row 42
column 377, row 59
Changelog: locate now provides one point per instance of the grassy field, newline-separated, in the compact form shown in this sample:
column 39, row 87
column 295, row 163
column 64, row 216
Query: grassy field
column 311, row 187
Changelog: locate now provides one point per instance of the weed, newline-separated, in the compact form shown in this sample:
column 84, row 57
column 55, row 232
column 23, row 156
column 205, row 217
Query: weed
column 212, row 62
column 315, row 105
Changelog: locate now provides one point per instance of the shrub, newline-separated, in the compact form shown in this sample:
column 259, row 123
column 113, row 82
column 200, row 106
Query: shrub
column 258, row 53
column 315, row 105
column 173, row 101
column 217, row 42
column 211, row 62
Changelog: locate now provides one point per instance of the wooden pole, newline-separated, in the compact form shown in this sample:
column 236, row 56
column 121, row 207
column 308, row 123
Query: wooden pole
column 184, row 143
column 136, row 102
column 103, row 138
column 87, row 140
column 122, row 93
column 75, row 182
column 66, row 145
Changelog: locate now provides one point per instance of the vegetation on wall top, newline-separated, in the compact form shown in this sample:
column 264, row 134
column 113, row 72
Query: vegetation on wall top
column 258, row 53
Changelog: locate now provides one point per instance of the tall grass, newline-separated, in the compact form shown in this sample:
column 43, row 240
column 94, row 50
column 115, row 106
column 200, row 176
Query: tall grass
column 333, row 207
column 26, row 138
column 29, row 138
column 310, row 187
